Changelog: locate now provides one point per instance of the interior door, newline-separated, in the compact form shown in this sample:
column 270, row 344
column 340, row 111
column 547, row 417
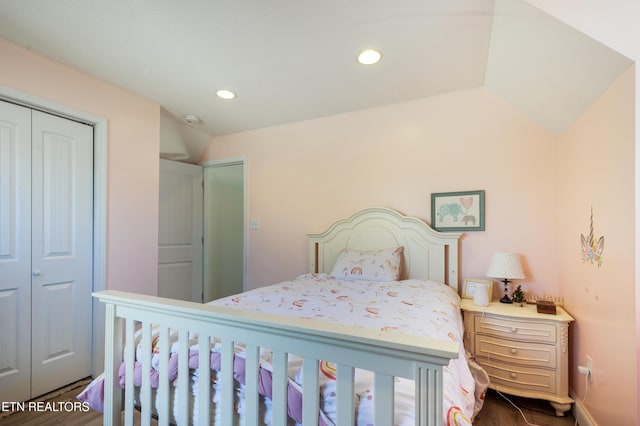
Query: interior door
column 62, row 242
column 15, row 252
column 180, row 235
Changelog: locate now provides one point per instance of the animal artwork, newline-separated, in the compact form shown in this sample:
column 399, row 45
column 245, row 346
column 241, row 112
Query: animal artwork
column 451, row 209
column 456, row 210
column 591, row 247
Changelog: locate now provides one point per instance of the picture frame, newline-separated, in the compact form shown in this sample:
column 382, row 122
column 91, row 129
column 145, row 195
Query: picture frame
column 469, row 288
column 457, row 211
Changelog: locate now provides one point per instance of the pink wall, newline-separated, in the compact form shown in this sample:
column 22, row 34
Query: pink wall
column 304, row 176
column 133, row 157
column 597, row 158
column 614, row 23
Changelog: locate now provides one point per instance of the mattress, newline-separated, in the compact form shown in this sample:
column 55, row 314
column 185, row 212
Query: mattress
column 414, row 307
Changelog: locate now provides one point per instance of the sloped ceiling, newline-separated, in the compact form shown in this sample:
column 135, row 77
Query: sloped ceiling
column 290, row 60
column 546, row 68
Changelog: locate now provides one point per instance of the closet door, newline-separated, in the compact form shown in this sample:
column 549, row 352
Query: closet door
column 46, row 211
column 62, row 242
column 15, row 252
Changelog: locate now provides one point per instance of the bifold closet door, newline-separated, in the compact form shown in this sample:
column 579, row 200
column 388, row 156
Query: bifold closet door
column 46, row 213
column 62, row 247
column 15, row 252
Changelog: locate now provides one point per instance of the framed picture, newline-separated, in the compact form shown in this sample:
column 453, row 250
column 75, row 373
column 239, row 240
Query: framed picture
column 457, row 211
column 471, row 286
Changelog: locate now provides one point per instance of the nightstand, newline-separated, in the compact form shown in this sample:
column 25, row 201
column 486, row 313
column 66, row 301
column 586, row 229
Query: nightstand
column 525, row 353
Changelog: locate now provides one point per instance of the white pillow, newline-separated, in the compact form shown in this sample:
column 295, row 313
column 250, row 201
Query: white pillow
column 376, row 265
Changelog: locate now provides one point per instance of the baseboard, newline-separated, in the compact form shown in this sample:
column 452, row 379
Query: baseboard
column 581, row 414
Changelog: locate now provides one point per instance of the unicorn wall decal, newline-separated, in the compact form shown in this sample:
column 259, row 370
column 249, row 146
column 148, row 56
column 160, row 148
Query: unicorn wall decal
column 591, row 248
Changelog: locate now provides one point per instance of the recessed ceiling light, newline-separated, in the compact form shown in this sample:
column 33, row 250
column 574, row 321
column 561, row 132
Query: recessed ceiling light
column 225, row 94
column 369, row 57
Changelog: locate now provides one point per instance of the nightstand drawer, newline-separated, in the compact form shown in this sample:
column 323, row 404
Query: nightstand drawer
column 510, row 329
column 524, row 353
column 519, row 377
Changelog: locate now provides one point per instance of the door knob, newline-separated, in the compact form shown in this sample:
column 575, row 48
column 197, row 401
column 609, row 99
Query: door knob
column 36, row 272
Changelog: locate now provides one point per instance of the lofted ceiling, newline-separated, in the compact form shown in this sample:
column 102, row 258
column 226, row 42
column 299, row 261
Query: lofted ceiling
column 291, row 60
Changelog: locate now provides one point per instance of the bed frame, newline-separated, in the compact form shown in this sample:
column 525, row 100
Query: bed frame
column 429, row 255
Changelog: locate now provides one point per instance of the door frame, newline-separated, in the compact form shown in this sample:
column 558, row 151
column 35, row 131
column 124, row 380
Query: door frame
column 100, row 141
column 221, row 163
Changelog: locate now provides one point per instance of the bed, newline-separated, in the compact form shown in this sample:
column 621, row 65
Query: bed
column 371, row 335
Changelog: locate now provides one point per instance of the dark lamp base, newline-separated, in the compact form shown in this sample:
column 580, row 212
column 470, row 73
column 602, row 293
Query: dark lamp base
column 505, row 299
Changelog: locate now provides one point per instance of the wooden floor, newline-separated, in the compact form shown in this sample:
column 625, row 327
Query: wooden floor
column 496, row 412
column 63, row 417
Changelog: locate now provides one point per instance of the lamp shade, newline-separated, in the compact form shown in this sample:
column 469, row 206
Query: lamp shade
column 505, row 265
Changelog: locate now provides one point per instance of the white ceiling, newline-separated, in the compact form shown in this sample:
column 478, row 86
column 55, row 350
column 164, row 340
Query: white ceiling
column 291, row 60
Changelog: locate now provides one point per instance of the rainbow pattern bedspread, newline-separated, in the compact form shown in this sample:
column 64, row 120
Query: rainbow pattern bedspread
column 416, row 307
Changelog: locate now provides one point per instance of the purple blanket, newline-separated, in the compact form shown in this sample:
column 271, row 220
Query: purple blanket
column 94, row 393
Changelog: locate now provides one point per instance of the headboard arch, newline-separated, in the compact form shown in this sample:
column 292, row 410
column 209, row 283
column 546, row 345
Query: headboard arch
column 428, row 254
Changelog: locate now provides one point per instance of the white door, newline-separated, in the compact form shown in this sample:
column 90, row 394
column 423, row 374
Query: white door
column 62, row 243
column 15, row 253
column 180, row 236
column 45, row 252
column 224, row 230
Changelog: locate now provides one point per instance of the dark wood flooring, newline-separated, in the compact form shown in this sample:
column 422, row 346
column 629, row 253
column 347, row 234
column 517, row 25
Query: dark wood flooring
column 495, row 412
column 498, row 412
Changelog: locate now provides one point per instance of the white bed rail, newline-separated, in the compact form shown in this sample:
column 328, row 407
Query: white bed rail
column 388, row 355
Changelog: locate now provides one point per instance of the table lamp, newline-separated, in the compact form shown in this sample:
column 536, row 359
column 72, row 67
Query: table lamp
column 506, row 266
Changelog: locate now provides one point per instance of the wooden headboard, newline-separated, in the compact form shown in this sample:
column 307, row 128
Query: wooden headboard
column 428, row 254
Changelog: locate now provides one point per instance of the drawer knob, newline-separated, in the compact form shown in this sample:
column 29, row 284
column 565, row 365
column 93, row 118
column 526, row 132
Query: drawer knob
column 514, row 351
column 514, row 330
column 513, row 375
